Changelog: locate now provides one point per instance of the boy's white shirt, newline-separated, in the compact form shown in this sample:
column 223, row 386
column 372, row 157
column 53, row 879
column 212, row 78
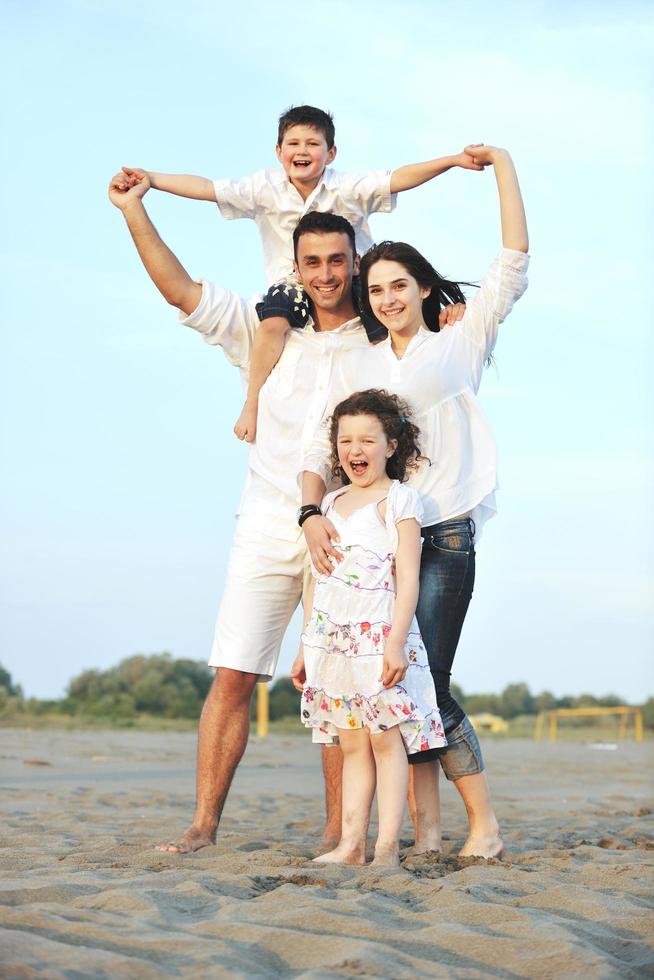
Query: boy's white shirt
column 270, row 199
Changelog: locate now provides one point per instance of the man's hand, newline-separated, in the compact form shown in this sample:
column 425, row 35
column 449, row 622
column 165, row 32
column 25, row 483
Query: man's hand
column 320, row 535
column 467, row 159
column 135, row 175
column 298, row 673
column 450, row 314
column 124, row 189
column 395, row 666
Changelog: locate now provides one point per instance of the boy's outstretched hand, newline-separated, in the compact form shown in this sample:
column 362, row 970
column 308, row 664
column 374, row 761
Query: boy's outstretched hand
column 125, row 188
column 467, row 159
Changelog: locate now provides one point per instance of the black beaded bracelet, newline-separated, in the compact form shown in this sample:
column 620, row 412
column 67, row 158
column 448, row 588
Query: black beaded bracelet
column 309, row 510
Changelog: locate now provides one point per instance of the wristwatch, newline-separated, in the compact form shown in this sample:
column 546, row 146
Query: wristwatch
column 307, row 510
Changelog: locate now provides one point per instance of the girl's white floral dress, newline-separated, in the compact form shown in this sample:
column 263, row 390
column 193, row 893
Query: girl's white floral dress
column 345, row 636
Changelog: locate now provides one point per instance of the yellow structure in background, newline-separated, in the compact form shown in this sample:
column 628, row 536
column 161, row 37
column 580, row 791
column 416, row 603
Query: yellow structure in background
column 486, row 722
column 624, row 713
column 263, row 713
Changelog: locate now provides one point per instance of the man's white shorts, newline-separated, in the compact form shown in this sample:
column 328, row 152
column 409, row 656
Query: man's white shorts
column 266, row 573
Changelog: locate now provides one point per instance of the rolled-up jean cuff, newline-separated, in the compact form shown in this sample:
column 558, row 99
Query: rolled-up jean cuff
column 462, row 755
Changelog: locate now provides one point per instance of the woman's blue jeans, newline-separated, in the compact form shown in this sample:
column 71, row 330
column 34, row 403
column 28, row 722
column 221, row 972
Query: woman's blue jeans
column 447, row 577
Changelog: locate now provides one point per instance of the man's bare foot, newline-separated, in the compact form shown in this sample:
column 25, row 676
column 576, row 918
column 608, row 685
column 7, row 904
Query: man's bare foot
column 387, row 855
column 190, row 841
column 343, row 854
column 246, row 423
column 490, row 846
column 330, row 841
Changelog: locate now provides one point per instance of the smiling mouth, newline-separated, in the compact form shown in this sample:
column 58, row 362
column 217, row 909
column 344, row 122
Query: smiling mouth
column 359, row 467
column 302, row 163
column 392, row 313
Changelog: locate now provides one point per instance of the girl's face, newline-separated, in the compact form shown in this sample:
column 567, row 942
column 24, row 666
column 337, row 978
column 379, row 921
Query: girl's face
column 396, row 298
column 363, row 448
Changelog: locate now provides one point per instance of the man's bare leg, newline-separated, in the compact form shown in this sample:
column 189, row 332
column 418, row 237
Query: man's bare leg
column 332, row 770
column 425, row 807
column 483, row 838
column 222, row 737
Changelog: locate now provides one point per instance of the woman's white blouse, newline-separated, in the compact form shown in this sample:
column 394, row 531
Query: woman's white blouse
column 439, row 376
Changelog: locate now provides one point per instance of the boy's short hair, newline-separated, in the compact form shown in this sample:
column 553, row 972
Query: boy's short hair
column 323, row 223
column 307, row 115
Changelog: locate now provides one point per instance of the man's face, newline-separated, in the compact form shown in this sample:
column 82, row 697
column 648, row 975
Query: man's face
column 303, row 154
column 325, row 266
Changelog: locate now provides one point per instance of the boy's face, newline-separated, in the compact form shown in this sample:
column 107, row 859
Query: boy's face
column 304, row 155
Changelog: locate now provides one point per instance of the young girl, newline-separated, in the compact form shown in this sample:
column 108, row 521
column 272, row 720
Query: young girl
column 365, row 669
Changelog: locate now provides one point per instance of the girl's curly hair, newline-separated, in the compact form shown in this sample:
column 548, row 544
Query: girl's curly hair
column 394, row 415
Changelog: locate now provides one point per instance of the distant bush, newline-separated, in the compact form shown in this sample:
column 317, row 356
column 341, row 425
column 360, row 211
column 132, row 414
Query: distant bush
column 8, row 686
column 153, row 685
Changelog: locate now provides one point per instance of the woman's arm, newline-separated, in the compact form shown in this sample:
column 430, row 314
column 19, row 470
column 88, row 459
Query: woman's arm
column 512, row 210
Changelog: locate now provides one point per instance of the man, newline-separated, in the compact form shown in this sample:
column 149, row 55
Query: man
column 268, row 561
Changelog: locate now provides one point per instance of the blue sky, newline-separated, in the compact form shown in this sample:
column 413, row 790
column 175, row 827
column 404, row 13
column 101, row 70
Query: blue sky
column 120, row 472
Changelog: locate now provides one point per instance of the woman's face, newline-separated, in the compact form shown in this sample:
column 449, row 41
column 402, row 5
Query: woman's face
column 396, row 298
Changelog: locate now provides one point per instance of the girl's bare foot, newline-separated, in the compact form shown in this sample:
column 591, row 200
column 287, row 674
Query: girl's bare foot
column 246, row 424
column 191, row 840
column 387, row 855
column 490, row 846
column 343, row 854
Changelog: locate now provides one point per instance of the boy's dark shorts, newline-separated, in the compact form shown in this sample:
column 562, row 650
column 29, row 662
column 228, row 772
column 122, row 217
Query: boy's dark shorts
column 288, row 299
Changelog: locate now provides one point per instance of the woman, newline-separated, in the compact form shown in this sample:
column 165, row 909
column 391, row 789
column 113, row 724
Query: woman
column 439, row 375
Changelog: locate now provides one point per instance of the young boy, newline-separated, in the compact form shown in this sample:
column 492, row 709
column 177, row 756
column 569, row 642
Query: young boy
column 277, row 200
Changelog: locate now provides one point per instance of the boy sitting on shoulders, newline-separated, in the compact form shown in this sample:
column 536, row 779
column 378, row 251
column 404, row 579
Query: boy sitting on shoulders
column 276, row 200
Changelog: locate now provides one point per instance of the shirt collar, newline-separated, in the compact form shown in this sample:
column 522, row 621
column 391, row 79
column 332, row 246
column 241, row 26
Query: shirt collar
column 416, row 341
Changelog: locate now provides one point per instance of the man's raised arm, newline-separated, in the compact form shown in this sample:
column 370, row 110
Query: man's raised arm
column 164, row 268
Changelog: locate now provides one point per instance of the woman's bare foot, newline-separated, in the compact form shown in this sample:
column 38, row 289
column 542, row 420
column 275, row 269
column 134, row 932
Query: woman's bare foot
column 387, row 855
column 343, row 854
column 246, row 423
column 489, row 846
column 191, row 840
column 430, row 843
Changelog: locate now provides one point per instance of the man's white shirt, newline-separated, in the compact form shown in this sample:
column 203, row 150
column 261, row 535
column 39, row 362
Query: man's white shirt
column 295, row 395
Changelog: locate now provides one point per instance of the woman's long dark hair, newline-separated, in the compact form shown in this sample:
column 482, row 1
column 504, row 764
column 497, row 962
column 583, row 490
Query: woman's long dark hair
column 395, row 417
column 443, row 291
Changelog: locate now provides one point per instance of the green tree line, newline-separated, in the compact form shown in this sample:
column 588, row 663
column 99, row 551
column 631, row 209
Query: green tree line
column 161, row 686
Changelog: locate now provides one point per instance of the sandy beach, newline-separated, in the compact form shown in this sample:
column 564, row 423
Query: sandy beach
column 84, row 894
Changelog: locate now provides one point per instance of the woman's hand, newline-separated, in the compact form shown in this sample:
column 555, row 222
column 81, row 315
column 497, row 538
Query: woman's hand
column 484, row 156
column 395, row 665
column 298, row 673
column 320, row 535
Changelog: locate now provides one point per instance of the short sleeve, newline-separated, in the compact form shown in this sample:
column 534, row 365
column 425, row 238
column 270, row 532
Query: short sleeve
column 368, row 192
column 225, row 320
column 237, row 198
column 403, row 504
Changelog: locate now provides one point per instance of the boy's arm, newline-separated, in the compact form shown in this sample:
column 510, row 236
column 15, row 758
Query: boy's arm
column 184, row 185
column 414, row 174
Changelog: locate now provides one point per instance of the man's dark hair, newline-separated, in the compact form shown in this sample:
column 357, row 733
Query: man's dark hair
column 323, row 223
column 307, row 115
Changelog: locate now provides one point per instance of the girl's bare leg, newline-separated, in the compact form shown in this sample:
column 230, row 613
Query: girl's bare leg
column 358, row 791
column 392, row 786
column 425, row 806
column 483, row 838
